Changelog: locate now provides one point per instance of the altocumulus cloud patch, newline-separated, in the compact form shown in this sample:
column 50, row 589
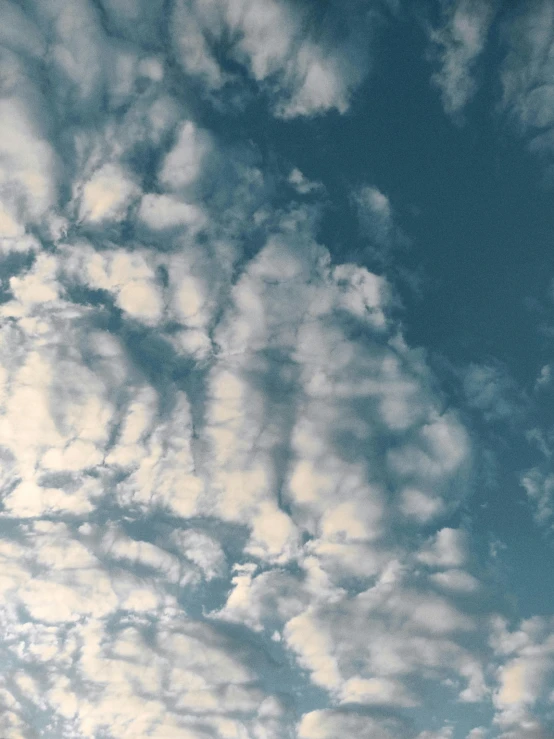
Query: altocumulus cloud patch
column 237, row 499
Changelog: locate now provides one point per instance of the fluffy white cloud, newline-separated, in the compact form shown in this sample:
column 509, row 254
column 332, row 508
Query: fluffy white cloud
column 347, row 395
column 56, row 410
column 269, row 38
column 448, row 548
column 106, row 195
column 28, row 182
column 129, row 276
column 344, row 632
column 183, row 163
column 224, row 472
column 526, row 657
column 161, row 212
column 161, row 472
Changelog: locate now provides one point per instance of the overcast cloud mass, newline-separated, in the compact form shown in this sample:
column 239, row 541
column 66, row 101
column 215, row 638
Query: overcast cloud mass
column 276, row 369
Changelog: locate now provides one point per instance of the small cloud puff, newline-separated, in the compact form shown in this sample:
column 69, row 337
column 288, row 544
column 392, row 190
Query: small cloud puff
column 492, row 391
column 107, row 195
column 375, row 213
column 302, row 185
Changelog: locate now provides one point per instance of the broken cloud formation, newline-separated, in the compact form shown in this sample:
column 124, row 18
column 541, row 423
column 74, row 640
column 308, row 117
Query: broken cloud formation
column 228, row 481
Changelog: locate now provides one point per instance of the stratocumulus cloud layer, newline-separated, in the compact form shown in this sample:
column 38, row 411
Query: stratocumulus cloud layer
column 240, row 496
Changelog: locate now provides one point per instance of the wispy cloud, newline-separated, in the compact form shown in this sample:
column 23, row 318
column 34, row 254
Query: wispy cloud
column 457, row 45
column 526, row 73
column 490, row 390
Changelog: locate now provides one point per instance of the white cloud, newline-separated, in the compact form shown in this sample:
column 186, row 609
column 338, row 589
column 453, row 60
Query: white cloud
column 77, row 50
column 491, row 390
column 202, row 550
column 129, row 276
column 330, row 639
column 28, row 183
column 526, row 657
column 375, row 212
column 19, row 31
column 267, row 598
column 121, row 547
column 291, row 302
column 526, row 72
column 376, row 691
column 545, row 377
column 188, row 25
column 321, row 85
column 107, row 195
column 302, row 184
column 327, row 724
column 165, row 212
column 268, row 37
column 56, row 411
column 458, row 45
column 456, row 580
column 539, row 487
column 191, row 302
column 189, row 672
column 39, row 285
column 378, row 226
column 182, row 165
column 478, row 733
column 163, row 471
column 171, row 533
column 10, row 228
column 421, row 506
column 448, row 548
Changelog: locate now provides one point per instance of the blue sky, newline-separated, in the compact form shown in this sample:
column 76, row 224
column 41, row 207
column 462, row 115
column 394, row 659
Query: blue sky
column 276, row 369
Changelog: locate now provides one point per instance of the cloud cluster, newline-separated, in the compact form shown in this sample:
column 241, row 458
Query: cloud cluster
column 316, row 433
column 228, row 484
column 290, row 51
column 525, row 655
column 522, row 42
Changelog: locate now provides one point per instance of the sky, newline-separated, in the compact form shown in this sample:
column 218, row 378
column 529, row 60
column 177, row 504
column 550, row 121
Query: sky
column 276, row 369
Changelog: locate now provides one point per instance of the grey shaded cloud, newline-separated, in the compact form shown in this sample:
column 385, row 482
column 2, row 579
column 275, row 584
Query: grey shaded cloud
column 490, row 389
column 457, row 45
column 310, row 60
column 526, row 73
